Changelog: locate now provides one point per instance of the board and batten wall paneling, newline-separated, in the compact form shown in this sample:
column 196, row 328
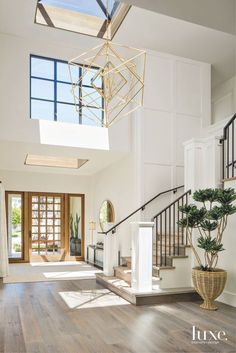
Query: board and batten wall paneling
column 176, row 107
column 159, row 83
column 224, row 100
column 188, row 89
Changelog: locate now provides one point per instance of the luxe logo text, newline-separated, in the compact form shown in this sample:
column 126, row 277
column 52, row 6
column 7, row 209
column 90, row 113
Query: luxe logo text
column 208, row 336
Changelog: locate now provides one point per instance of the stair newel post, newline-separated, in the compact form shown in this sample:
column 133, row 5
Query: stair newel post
column 141, row 259
column 110, row 258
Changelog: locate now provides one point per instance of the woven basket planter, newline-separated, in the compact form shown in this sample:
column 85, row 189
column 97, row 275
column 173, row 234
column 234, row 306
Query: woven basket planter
column 209, row 286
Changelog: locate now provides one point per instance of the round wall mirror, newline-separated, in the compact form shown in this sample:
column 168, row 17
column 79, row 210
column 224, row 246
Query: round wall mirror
column 106, row 215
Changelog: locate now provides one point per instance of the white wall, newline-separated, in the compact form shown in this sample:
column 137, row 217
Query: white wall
column 117, row 184
column 224, row 100
column 176, row 107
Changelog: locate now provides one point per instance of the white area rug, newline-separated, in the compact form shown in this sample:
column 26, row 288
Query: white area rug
column 50, row 271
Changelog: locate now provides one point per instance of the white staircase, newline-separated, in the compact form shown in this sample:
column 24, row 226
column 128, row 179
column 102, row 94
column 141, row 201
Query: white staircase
column 171, row 259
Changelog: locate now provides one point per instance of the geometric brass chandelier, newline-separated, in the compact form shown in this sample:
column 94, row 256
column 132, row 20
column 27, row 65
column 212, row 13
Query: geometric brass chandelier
column 115, row 77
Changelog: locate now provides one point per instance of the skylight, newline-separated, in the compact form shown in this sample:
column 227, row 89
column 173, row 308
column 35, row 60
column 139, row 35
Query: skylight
column 51, row 161
column 82, row 16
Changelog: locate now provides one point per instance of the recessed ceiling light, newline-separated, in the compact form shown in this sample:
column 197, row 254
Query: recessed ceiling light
column 56, row 162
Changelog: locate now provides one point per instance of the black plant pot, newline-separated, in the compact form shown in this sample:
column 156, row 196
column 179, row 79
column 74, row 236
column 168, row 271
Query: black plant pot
column 75, row 246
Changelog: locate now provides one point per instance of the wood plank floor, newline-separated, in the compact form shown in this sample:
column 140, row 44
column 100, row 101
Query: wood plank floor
column 83, row 317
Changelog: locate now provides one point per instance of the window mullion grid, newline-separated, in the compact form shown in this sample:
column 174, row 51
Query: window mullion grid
column 43, row 78
column 80, row 94
column 55, row 90
column 103, row 112
column 30, row 87
column 55, row 101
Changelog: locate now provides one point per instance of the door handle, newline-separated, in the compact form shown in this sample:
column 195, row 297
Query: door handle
column 30, row 234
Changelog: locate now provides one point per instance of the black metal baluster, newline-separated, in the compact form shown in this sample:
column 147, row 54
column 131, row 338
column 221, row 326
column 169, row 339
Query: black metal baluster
column 161, row 239
column 182, row 229
column 156, row 241
column 178, row 231
column 227, row 154
column 165, row 236
column 169, row 230
column 232, row 149
column 186, row 238
column 223, row 159
column 174, row 229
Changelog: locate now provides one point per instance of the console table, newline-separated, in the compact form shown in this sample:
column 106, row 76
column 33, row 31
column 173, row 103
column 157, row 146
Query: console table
column 94, row 261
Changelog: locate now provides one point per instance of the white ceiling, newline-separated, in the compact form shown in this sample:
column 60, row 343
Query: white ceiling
column 215, row 14
column 148, row 29
column 167, row 34
column 13, row 155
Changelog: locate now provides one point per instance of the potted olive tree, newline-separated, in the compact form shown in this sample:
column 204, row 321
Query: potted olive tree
column 208, row 221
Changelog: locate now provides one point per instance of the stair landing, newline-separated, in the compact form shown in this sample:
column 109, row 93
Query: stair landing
column 157, row 296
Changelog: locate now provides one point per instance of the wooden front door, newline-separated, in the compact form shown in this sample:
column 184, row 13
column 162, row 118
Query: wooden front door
column 46, row 226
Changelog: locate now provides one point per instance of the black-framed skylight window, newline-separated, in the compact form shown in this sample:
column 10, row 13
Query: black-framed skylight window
column 50, row 92
column 90, row 17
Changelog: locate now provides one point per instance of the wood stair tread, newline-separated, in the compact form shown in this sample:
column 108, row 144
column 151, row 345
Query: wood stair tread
column 123, row 273
column 122, row 268
column 176, row 256
column 165, row 267
column 126, row 258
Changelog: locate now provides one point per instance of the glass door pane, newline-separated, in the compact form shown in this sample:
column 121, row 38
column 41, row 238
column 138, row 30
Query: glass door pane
column 46, row 222
column 15, row 225
column 76, row 225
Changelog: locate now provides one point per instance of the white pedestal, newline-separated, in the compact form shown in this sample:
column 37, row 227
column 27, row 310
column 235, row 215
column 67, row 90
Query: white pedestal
column 110, row 254
column 142, row 256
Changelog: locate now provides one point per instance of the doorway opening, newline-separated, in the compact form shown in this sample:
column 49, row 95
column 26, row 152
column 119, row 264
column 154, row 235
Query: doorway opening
column 15, row 215
column 44, row 227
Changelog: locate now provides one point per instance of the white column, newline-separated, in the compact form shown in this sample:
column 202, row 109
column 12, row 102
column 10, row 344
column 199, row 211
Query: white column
column 201, row 167
column 142, row 256
column 202, row 163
